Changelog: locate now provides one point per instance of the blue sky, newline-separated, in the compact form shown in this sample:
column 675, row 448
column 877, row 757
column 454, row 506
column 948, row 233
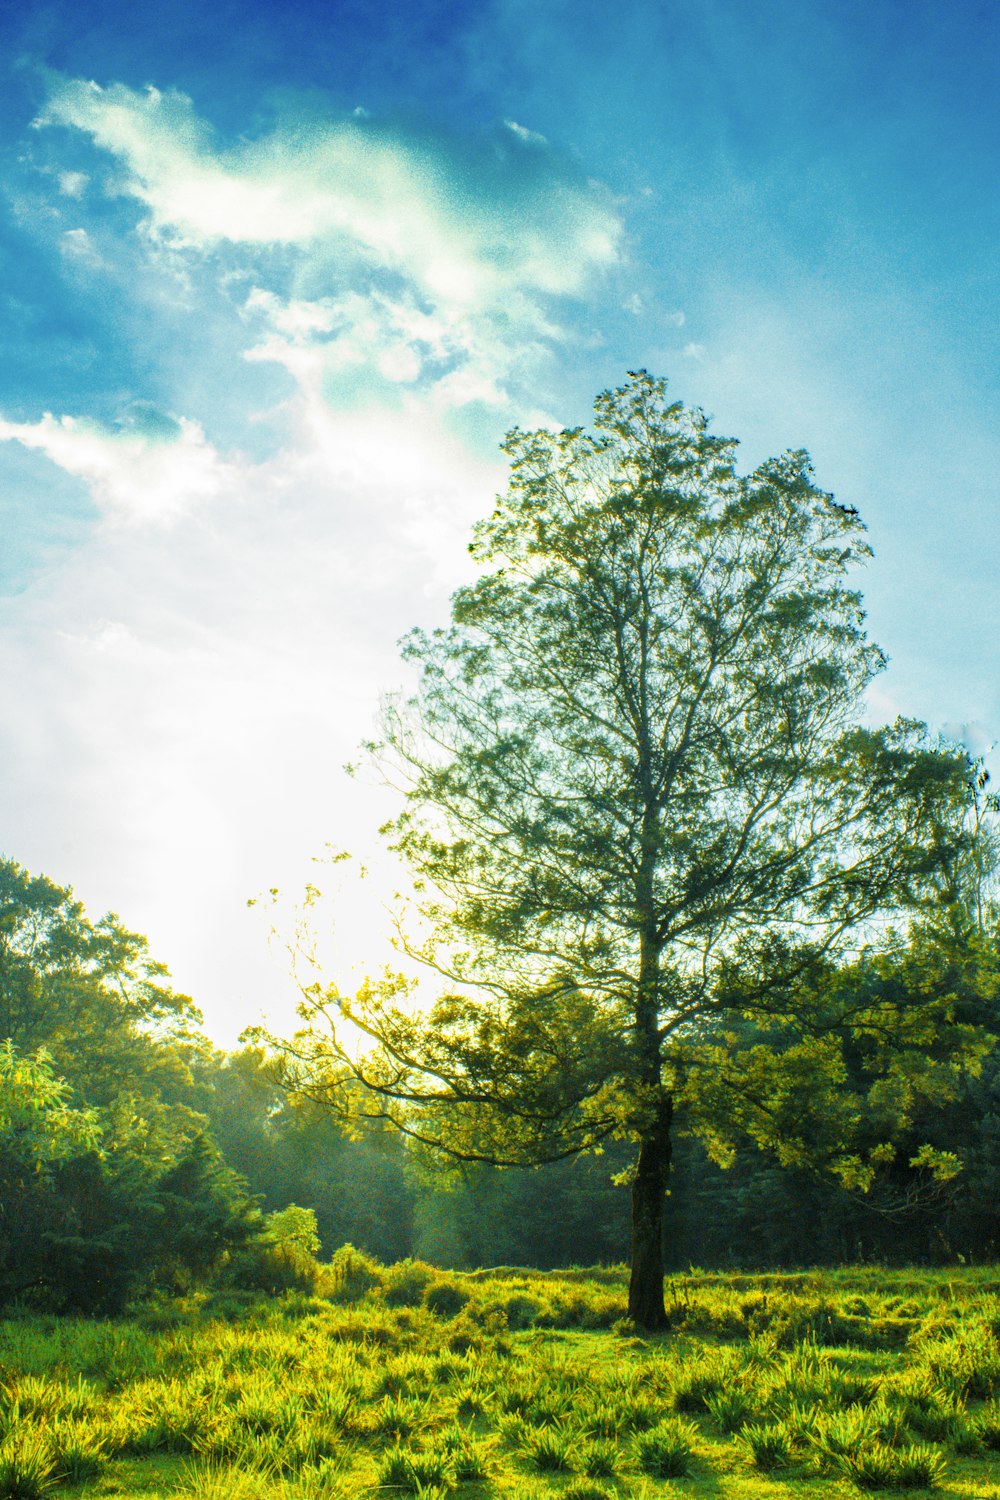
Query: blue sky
column 276, row 280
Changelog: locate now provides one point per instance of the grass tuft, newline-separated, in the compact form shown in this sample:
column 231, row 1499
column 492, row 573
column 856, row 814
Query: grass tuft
column 879, row 1467
column 26, row 1468
column 666, row 1450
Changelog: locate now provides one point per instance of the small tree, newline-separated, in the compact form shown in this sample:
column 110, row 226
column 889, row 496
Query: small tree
column 637, row 798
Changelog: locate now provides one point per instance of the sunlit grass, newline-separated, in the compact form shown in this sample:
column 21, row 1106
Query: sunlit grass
column 407, row 1381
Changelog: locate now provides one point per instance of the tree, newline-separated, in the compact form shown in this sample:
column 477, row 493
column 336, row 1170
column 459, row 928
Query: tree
column 90, row 994
column 126, row 1190
column 637, row 799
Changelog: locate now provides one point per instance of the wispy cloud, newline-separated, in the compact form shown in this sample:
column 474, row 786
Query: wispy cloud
column 481, row 235
column 465, row 225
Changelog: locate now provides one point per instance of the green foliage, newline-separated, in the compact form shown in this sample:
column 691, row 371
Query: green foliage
column 292, row 1151
column 26, row 1467
column 305, row 1399
column 641, row 816
column 987, row 1427
column 292, row 1230
column 352, row 1275
column 584, row 1489
column 767, row 1445
column 108, row 1182
column 665, row 1451
column 468, row 1459
column 445, row 1298
column 879, row 1467
column 37, row 1124
column 730, row 1410
column 406, row 1283
column 410, row 1472
column 89, row 993
column 599, row 1458
column 549, row 1450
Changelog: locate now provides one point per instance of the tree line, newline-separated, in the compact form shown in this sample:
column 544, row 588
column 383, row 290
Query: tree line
column 135, row 1157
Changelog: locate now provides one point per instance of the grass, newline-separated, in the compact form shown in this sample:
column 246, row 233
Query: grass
column 404, row 1381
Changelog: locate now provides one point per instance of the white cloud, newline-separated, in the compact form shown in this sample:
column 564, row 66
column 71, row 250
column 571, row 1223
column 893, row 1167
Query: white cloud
column 428, row 264
column 132, row 476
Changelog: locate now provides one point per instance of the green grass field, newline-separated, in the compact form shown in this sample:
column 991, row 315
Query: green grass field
column 413, row 1382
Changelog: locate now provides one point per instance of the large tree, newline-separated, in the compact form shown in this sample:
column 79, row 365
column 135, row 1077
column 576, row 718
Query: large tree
column 637, row 797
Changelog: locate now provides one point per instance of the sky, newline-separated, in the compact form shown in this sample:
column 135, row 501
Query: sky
column 275, row 281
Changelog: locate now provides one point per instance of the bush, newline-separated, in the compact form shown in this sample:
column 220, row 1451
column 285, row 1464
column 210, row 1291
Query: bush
column 406, row 1282
column 730, row 1410
column 987, row 1427
column 550, row 1451
column 446, row 1299
column 78, row 1452
column 467, row 1458
column 521, row 1309
column 585, row 1489
column 599, row 1458
column 273, row 1270
column 350, row 1275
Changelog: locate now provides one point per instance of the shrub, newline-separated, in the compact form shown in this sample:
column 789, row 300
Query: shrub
column 695, row 1387
column 521, row 1309
column 584, row 1489
column 550, row 1450
column 399, row 1418
column 465, row 1336
column 987, row 1427
column 835, row 1433
column 966, row 1364
column 468, row 1458
column 78, row 1452
column 406, row 1283
column 351, row 1275
column 446, row 1299
column 599, row 1458
column 730, row 1410
column 272, row 1269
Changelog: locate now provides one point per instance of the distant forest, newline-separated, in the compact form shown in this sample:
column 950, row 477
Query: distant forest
column 136, row 1157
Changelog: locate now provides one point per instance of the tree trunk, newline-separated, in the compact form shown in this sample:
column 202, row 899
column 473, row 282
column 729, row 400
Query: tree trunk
column 645, row 1292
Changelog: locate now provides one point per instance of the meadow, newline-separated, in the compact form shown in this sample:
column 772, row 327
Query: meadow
column 518, row 1385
